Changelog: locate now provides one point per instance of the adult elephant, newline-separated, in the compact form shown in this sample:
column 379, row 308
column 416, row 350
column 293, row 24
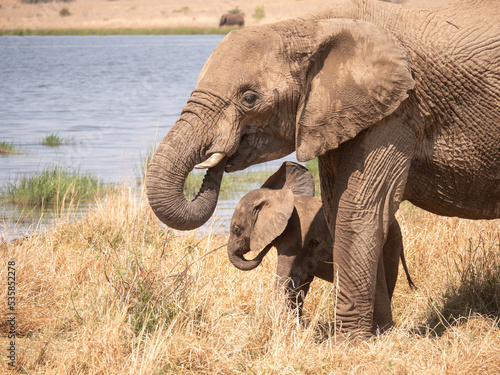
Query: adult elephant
column 397, row 102
column 231, row 19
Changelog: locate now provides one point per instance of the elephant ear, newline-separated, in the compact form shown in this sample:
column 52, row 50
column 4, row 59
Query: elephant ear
column 357, row 74
column 292, row 176
column 271, row 216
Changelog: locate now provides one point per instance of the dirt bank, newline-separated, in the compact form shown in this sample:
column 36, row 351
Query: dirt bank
column 98, row 14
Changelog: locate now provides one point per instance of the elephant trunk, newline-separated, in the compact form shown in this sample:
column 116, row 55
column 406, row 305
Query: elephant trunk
column 240, row 262
column 176, row 156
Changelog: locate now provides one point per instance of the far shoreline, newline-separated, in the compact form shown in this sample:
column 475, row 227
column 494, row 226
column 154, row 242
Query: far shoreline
column 119, row 31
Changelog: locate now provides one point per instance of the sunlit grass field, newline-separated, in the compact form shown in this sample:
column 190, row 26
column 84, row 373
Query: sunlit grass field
column 115, row 292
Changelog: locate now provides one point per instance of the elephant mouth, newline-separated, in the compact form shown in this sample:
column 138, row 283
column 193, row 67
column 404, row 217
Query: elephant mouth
column 245, row 155
column 250, row 150
column 232, row 163
column 233, row 157
column 230, row 166
column 258, row 148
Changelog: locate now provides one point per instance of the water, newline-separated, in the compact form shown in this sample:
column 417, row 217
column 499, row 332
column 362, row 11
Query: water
column 110, row 96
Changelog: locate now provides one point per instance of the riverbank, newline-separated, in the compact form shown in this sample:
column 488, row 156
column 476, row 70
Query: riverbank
column 148, row 16
column 120, row 31
column 142, row 14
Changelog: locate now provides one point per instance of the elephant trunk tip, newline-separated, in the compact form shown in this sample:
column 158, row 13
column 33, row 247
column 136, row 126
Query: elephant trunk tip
column 239, row 261
column 165, row 190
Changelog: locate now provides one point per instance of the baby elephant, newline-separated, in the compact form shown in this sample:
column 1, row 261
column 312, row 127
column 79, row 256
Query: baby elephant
column 285, row 214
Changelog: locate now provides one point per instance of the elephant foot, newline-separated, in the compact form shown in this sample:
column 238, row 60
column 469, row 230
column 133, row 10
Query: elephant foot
column 328, row 331
column 351, row 338
column 353, row 319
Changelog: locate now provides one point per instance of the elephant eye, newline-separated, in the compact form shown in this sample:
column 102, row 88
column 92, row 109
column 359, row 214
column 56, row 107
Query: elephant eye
column 249, row 98
column 236, row 230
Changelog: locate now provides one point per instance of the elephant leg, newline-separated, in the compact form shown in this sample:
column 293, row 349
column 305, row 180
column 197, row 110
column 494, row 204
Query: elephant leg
column 382, row 314
column 296, row 289
column 362, row 184
column 387, row 275
column 293, row 280
column 393, row 248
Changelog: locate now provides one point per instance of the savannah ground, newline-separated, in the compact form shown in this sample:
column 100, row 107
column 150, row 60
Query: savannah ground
column 117, row 293
column 152, row 14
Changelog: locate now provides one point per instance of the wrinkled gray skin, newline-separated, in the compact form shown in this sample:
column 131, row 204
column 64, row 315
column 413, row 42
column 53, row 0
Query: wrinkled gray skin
column 397, row 102
column 230, row 19
column 284, row 214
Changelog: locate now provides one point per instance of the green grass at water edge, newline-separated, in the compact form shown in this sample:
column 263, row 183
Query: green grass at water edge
column 53, row 140
column 313, row 167
column 231, row 182
column 54, row 186
column 7, row 148
column 120, row 31
column 234, row 182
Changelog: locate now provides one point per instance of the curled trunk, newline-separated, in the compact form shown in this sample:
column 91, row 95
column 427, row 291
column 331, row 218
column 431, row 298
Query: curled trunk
column 176, row 156
column 240, row 262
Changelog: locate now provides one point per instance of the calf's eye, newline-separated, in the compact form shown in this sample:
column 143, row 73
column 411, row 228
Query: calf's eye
column 236, row 230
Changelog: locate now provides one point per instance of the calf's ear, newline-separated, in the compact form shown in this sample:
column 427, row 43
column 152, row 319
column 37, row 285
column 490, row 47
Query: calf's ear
column 292, row 176
column 271, row 217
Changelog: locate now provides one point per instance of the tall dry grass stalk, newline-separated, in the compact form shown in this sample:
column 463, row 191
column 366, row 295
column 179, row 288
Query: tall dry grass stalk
column 116, row 293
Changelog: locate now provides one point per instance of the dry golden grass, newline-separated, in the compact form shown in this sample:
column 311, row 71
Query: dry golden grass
column 116, row 293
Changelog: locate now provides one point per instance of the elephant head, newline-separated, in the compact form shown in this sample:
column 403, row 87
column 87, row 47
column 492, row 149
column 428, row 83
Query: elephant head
column 262, row 215
column 298, row 85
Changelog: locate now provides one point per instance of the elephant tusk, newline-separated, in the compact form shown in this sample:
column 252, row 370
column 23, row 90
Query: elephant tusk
column 211, row 162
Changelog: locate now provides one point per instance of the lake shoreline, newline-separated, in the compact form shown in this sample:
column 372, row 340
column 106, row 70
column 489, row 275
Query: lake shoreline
column 119, row 31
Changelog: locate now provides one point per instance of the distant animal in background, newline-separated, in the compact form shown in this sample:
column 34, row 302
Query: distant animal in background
column 231, row 19
column 285, row 214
